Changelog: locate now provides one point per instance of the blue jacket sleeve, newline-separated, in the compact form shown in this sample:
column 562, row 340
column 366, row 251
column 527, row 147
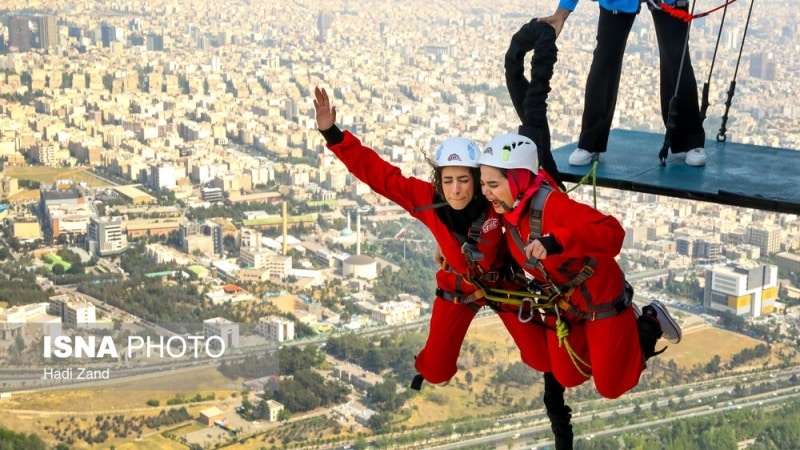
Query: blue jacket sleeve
column 568, row 4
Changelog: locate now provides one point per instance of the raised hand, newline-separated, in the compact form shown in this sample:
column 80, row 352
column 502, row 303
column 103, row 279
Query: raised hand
column 326, row 114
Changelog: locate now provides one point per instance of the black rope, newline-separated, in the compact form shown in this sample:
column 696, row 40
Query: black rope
column 721, row 137
column 704, row 105
column 672, row 115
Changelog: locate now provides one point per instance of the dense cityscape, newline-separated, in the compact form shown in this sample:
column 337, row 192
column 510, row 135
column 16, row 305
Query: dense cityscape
column 163, row 176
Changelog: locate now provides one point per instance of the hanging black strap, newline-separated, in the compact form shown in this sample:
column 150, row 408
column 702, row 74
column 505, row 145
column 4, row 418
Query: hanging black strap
column 721, row 136
column 529, row 97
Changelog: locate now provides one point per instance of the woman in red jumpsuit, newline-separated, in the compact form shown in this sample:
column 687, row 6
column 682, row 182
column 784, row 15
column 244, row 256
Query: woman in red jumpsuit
column 449, row 206
column 574, row 252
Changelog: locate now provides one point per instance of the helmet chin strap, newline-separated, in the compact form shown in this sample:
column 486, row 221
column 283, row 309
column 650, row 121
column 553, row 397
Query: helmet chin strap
column 505, row 206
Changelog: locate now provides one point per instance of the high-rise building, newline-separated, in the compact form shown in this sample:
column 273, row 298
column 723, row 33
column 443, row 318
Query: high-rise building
column 324, row 22
column 762, row 66
column 155, row 42
column 163, row 177
column 20, row 36
column 105, row 236
column 109, row 34
column 788, row 262
column 48, row 31
column 75, row 32
column 215, row 230
column 684, row 246
column 745, row 289
column 768, row 239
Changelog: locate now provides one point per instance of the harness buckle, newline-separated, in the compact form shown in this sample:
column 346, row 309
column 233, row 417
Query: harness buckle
column 471, row 252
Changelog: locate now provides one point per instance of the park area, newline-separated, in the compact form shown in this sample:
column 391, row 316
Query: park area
column 40, row 174
column 52, row 260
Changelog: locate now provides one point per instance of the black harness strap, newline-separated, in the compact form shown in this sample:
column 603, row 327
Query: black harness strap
column 535, row 221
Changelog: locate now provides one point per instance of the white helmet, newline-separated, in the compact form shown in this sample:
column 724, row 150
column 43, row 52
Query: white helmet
column 457, row 151
column 511, row 151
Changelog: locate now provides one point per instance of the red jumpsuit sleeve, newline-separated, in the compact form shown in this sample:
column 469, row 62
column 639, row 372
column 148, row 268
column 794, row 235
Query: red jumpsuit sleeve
column 580, row 229
column 384, row 178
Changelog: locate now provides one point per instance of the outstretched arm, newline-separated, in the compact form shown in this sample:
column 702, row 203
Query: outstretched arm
column 365, row 164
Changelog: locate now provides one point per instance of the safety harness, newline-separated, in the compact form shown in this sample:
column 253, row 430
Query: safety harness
column 474, row 271
column 551, row 297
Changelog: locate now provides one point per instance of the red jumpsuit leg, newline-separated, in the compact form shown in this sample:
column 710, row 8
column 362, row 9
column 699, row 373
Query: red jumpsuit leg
column 617, row 360
column 564, row 369
column 449, row 324
column 531, row 340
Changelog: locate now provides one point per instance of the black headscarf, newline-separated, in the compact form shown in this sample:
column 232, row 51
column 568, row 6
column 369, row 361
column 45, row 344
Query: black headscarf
column 459, row 220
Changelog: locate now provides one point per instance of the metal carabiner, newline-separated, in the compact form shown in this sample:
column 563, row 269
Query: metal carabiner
column 520, row 316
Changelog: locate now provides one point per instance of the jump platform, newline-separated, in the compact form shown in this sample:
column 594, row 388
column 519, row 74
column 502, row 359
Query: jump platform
column 750, row 176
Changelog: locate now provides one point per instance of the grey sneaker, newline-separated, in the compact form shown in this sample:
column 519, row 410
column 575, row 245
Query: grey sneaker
column 669, row 327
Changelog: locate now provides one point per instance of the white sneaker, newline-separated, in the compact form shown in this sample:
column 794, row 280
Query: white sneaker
column 669, row 326
column 581, row 157
column 696, row 157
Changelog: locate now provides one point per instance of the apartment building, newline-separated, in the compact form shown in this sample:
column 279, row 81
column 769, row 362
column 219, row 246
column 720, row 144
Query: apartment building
column 746, row 288
column 105, row 236
column 274, row 328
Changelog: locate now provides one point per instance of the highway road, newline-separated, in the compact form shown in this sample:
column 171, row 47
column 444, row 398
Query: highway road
column 703, row 400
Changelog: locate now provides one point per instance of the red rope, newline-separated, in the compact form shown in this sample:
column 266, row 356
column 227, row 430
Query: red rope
column 685, row 16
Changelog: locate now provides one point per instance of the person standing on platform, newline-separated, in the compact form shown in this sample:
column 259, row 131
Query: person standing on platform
column 602, row 85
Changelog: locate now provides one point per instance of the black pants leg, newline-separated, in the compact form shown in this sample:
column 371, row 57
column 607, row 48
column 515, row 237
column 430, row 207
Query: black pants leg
column 558, row 412
column 671, row 35
column 602, row 85
column 649, row 333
